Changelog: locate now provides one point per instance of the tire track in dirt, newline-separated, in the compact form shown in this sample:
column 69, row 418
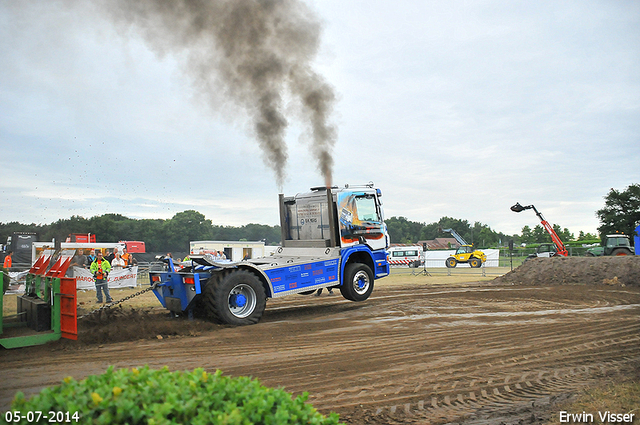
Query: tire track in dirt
column 394, row 352
column 573, row 345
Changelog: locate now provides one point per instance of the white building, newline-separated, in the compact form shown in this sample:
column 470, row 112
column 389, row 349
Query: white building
column 233, row 250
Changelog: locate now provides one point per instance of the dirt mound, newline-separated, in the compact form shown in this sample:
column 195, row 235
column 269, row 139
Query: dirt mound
column 129, row 324
column 623, row 271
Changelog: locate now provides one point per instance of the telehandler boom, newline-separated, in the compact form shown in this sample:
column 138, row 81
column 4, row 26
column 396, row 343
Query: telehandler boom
column 562, row 250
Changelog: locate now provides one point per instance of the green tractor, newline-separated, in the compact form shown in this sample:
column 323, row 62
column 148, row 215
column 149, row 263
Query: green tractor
column 615, row 245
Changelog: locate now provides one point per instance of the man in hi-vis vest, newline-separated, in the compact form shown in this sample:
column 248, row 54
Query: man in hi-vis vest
column 100, row 269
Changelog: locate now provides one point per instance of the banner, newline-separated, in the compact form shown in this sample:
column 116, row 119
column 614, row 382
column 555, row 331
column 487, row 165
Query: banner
column 123, row 278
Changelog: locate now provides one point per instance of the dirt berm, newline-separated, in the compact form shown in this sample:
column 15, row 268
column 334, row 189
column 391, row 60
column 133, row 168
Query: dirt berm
column 623, row 271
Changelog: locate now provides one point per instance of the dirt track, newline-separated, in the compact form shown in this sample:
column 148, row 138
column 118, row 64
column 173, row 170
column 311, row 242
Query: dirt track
column 419, row 353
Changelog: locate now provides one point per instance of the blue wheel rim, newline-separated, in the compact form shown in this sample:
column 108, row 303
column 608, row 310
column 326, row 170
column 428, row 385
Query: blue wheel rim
column 242, row 300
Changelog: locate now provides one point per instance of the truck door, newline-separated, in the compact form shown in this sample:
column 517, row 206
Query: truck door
column 360, row 220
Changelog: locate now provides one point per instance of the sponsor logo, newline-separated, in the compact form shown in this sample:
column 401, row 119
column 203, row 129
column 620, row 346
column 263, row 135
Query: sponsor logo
column 294, row 269
column 85, row 278
column 123, row 277
column 278, row 288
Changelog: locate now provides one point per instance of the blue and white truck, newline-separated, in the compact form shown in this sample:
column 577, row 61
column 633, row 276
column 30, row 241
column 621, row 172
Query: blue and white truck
column 331, row 238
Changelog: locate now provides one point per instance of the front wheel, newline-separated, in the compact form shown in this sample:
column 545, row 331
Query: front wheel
column 237, row 298
column 358, row 282
column 451, row 262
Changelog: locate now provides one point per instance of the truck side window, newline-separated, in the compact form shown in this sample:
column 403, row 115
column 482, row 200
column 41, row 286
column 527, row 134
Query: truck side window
column 366, row 208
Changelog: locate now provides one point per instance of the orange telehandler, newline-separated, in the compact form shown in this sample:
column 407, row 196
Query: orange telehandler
column 560, row 248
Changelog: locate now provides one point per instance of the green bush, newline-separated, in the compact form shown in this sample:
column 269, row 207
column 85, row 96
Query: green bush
column 155, row 397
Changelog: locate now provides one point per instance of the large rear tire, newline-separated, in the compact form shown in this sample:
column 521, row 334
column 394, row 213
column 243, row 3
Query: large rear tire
column 237, row 298
column 621, row 252
column 358, row 282
column 475, row 263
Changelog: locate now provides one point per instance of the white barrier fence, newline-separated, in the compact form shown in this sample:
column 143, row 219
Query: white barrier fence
column 436, row 259
column 123, row 278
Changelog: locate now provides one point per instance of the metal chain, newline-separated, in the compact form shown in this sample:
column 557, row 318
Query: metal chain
column 114, row 303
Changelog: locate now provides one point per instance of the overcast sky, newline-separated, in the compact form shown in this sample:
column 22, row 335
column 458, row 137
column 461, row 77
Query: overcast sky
column 452, row 108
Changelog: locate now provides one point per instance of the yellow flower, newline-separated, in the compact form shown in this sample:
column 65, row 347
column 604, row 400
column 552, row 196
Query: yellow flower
column 135, row 371
column 68, row 379
column 96, row 398
column 205, row 376
column 116, row 391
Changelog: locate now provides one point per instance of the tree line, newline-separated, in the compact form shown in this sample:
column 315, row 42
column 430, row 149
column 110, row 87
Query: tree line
column 158, row 235
column 478, row 234
column 621, row 213
column 175, row 233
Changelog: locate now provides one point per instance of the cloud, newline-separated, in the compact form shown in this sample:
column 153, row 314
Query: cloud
column 454, row 109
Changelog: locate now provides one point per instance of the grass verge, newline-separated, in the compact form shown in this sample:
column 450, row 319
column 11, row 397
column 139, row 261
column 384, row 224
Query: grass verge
column 618, row 399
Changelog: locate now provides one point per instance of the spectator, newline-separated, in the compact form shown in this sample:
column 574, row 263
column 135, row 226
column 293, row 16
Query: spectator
column 4, row 273
column 90, row 259
column 100, row 269
column 7, row 261
column 112, row 255
column 79, row 260
column 129, row 259
column 118, row 263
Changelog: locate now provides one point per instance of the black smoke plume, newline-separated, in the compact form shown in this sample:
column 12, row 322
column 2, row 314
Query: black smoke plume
column 257, row 54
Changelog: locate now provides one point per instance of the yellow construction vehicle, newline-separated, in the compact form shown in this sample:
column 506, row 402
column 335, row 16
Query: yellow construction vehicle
column 465, row 253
